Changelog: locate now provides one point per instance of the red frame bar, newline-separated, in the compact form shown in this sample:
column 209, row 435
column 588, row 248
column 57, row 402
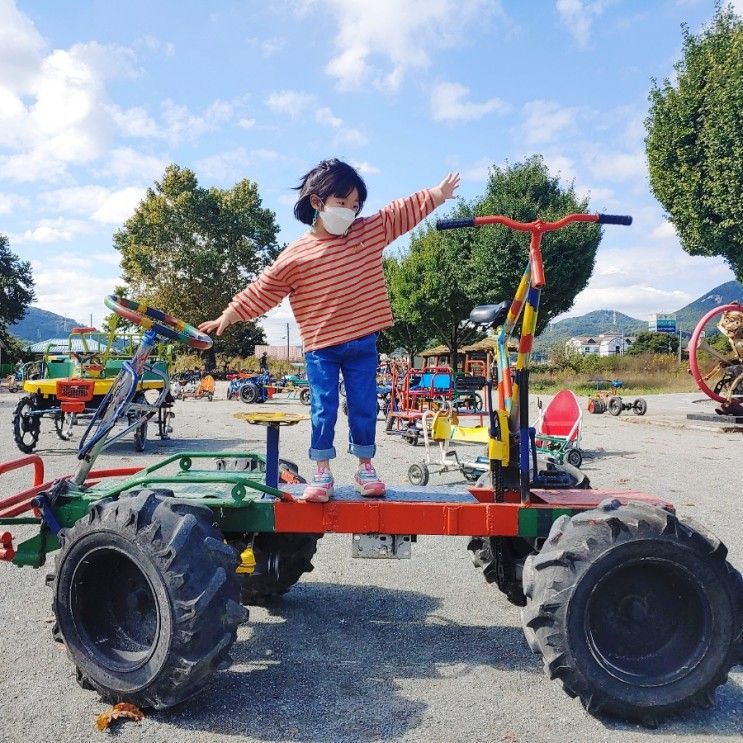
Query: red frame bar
column 29, row 459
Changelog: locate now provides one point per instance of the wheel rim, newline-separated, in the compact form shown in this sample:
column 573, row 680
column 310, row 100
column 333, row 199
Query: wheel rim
column 28, row 425
column 713, row 381
column 117, row 620
column 646, row 622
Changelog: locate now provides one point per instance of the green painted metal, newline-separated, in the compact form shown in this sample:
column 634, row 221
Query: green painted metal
column 18, row 520
column 537, row 522
column 32, row 552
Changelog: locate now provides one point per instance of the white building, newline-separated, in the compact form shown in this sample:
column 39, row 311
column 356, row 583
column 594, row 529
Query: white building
column 605, row 344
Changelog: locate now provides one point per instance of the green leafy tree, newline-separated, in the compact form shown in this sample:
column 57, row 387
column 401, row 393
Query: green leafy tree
column 188, row 250
column 405, row 333
column 650, row 342
column 525, row 192
column 428, row 292
column 694, row 141
column 445, row 274
column 16, row 286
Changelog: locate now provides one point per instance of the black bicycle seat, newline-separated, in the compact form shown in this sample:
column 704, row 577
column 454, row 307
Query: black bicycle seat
column 490, row 314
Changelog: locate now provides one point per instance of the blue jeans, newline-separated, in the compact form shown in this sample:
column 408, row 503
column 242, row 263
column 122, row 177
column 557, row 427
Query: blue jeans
column 357, row 359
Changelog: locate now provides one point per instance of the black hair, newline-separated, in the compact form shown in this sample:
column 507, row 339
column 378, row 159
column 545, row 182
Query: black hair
column 329, row 178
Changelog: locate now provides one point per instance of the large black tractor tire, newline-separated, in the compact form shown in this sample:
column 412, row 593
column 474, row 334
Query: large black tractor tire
column 502, row 562
column 146, row 598
column 636, row 612
column 280, row 561
column 26, row 428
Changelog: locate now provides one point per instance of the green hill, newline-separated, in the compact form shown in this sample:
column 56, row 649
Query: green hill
column 688, row 317
column 593, row 323
column 38, row 325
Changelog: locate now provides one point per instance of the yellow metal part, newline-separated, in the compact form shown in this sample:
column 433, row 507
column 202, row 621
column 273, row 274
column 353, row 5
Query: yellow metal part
column 472, row 434
column 499, row 449
column 247, row 561
column 283, row 419
column 441, row 426
column 48, row 387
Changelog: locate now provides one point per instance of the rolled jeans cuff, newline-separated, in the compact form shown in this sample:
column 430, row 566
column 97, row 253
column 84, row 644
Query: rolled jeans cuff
column 363, row 452
column 320, row 455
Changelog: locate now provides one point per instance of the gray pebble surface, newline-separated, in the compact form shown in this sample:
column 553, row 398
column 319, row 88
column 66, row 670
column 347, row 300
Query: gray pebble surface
column 375, row 650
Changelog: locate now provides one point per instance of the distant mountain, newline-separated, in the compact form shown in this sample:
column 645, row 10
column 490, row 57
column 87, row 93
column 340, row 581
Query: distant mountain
column 593, row 323
column 38, row 325
column 688, row 317
column 602, row 321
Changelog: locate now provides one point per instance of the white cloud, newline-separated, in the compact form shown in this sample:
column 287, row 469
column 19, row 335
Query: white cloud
column 125, row 164
column 289, row 102
column 343, row 134
column 479, row 171
column 21, row 46
column 154, row 44
column 183, row 126
column 617, row 166
column 663, row 231
column 365, row 168
column 9, row 202
column 544, row 120
column 403, row 34
column 246, row 123
column 99, row 203
column 118, row 206
column 578, row 16
column 53, row 230
column 450, row 102
column 232, row 164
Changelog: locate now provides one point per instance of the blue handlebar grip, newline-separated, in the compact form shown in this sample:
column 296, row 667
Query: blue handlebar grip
column 453, row 224
column 615, row 219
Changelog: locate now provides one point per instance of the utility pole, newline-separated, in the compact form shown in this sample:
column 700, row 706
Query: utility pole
column 287, row 341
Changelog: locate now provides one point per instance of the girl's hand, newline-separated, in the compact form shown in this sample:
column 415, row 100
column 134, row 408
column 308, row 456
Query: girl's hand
column 445, row 189
column 221, row 324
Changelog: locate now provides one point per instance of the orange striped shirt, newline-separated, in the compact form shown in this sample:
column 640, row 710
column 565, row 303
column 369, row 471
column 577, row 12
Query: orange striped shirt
column 336, row 284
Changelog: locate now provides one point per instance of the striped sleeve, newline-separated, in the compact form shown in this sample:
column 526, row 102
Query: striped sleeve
column 264, row 293
column 402, row 215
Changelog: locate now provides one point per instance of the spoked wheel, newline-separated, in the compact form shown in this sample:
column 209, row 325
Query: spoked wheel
column 26, row 426
column 648, row 613
column 639, row 406
column 63, row 423
column 304, row 396
column 140, row 432
column 146, row 598
column 715, row 365
column 280, row 561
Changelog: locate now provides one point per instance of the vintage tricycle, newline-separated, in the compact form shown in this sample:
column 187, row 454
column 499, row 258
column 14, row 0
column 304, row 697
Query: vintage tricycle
column 635, row 610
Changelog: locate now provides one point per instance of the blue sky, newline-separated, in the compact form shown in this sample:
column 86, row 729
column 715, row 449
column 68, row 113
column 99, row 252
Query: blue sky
column 97, row 97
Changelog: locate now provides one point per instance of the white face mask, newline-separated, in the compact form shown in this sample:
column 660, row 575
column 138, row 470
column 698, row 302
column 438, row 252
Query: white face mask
column 337, row 219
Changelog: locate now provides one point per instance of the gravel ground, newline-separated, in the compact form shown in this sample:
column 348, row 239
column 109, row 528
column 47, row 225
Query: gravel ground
column 370, row 650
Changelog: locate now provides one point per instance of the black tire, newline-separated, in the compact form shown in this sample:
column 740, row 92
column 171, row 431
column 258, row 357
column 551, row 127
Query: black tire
column 140, row 432
column 209, row 396
column 502, row 561
column 342, row 388
column 280, row 561
column 596, row 405
column 249, row 393
column 574, row 457
column 418, row 474
column 304, row 396
column 615, row 405
column 639, row 406
column 344, row 406
column 26, row 428
column 61, row 426
column 635, row 611
column 146, row 598
column 389, row 423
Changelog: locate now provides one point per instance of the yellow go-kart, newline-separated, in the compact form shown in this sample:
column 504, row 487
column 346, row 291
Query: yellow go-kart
column 72, row 385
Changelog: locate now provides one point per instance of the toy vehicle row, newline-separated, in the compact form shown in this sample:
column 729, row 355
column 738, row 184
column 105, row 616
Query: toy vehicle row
column 263, row 387
column 193, row 384
column 636, row 611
